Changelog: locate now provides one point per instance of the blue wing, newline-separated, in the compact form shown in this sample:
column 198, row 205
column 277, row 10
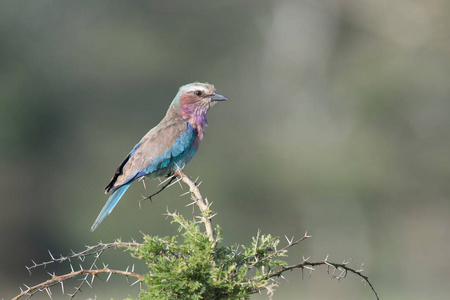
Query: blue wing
column 119, row 170
column 155, row 155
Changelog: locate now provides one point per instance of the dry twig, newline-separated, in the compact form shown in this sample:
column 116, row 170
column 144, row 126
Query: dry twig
column 45, row 286
column 201, row 203
column 337, row 267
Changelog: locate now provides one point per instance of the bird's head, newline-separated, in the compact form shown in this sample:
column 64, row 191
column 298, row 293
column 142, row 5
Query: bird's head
column 194, row 100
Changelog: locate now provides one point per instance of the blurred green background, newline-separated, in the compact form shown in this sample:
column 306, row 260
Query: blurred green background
column 338, row 124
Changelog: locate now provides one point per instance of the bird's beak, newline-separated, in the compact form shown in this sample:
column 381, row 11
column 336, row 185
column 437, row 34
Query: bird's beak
column 218, row 97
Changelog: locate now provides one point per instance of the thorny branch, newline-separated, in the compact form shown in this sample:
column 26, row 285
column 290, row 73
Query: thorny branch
column 282, row 250
column 342, row 267
column 203, row 204
column 196, row 196
column 305, row 264
column 45, row 286
column 96, row 251
column 84, row 279
column 89, row 251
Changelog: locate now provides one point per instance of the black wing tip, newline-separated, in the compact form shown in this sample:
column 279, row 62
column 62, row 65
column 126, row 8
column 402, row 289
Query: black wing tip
column 109, row 186
column 117, row 173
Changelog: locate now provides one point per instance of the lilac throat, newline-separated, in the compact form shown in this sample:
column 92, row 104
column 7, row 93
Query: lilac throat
column 196, row 115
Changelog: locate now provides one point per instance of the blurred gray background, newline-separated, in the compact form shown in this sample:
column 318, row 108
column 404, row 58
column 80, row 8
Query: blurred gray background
column 338, row 124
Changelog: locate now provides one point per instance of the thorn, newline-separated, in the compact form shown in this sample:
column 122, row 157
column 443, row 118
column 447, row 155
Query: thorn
column 175, row 182
column 110, row 273
column 178, row 167
column 328, row 264
column 360, row 269
column 135, row 282
column 198, row 184
column 346, row 262
column 334, row 272
column 49, row 292
column 184, row 194
column 209, row 218
column 143, row 183
column 164, row 181
column 93, row 277
column 51, row 255
column 71, row 267
column 132, row 269
column 29, row 270
column 343, row 273
column 289, row 241
column 62, row 286
column 87, row 282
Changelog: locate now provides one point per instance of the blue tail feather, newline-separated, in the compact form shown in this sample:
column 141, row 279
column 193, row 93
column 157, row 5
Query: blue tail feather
column 110, row 204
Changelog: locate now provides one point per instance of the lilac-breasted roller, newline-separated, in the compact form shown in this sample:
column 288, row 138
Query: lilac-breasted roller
column 168, row 146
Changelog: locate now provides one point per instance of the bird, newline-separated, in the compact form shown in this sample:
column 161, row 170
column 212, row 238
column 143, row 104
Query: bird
column 168, row 146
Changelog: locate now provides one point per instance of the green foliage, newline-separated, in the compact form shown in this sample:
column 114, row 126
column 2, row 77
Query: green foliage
column 198, row 269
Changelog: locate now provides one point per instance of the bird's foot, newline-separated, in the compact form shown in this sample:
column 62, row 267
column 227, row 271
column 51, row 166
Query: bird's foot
column 168, row 184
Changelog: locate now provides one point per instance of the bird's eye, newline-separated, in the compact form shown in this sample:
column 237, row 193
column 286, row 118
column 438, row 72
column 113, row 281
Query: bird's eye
column 198, row 93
